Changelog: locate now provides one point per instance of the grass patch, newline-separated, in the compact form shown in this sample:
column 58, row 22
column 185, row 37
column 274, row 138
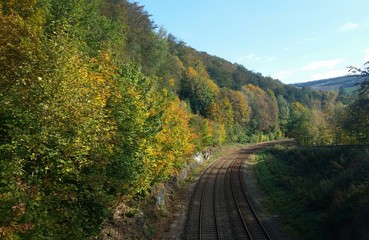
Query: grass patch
column 318, row 193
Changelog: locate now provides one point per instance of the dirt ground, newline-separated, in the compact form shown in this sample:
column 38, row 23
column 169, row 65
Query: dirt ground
column 171, row 226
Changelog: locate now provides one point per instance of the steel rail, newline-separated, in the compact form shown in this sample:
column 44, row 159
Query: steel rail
column 249, row 203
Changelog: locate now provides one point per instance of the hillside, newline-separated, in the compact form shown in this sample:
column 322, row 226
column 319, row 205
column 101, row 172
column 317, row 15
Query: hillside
column 346, row 83
column 313, row 187
column 99, row 106
column 234, row 76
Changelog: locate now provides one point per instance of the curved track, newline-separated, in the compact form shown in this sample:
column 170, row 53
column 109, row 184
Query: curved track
column 220, row 207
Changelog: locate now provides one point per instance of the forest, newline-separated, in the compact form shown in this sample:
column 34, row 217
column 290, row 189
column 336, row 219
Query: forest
column 98, row 104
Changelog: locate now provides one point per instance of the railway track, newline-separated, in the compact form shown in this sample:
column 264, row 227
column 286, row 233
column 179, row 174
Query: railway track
column 209, row 227
column 220, row 207
column 250, row 220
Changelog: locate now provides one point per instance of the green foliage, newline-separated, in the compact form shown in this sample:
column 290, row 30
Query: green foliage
column 240, row 106
column 264, row 109
column 153, row 139
column 300, row 125
column 135, row 109
column 86, row 22
column 97, row 105
column 207, row 132
column 357, row 122
column 284, row 112
column 57, row 133
column 173, row 144
column 199, row 90
column 313, row 187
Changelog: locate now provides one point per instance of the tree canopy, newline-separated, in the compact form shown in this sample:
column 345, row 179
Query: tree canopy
column 98, row 104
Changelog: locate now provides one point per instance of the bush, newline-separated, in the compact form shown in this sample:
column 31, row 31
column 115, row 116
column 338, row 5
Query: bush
column 314, row 187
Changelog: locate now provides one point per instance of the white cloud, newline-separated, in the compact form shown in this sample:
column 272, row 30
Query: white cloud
column 255, row 58
column 329, row 74
column 283, row 74
column 348, row 27
column 366, row 58
column 328, row 64
column 249, row 57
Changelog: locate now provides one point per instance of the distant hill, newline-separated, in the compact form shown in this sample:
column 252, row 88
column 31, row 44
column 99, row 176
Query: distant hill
column 347, row 83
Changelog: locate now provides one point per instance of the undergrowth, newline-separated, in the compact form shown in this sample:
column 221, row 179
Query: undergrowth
column 318, row 193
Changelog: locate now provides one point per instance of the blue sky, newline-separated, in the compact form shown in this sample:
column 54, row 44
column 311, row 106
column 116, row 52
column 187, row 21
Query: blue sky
column 290, row 40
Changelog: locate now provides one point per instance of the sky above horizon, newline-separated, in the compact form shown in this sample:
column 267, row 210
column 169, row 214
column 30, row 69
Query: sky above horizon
column 293, row 41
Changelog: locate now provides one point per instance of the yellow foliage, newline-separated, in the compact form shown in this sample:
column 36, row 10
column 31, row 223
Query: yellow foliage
column 298, row 106
column 19, row 6
column 20, row 51
column 213, row 86
column 173, row 143
column 191, row 72
column 171, row 81
column 75, row 110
